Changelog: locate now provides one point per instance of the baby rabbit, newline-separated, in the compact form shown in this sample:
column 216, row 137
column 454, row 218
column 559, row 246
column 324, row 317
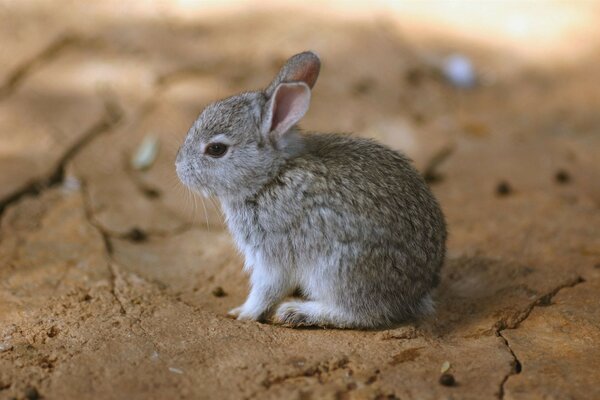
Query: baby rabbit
column 344, row 221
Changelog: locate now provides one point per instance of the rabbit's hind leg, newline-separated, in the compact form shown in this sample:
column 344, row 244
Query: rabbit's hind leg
column 309, row 313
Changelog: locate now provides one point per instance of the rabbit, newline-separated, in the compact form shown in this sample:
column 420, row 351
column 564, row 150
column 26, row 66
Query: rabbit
column 346, row 222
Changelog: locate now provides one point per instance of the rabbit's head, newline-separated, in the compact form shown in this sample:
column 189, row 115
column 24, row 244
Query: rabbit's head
column 238, row 144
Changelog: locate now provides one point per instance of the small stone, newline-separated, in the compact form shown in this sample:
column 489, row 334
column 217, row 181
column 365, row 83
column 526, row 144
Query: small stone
column 503, row 189
column 364, row 86
column 562, row 176
column 445, row 367
column 447, row 380
column 71, row 184
column 386, row 397
column 32, row 393
column 219, row 292
column 5, row 347
column 52, row 332
column 476, row 128
column 419, row 118
column 146, row 153
column 137, row 235
column 459, row 71
column 414, row 76
column 151, row 193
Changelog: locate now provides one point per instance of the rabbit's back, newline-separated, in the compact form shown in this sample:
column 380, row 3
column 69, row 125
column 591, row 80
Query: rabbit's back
column 381, row 189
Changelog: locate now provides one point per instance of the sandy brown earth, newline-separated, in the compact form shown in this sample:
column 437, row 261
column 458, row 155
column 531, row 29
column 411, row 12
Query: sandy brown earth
column 110, row 276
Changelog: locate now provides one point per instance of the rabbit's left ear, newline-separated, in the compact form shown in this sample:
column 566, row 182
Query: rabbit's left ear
column 303, row 67
column 285, row 108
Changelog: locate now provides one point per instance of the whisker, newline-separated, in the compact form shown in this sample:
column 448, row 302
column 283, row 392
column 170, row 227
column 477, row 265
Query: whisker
column 195, row 203
column 216, row 204
column 205, row 213
column 189, row 197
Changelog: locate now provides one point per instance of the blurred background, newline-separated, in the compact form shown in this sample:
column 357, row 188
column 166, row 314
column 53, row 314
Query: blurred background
column 508, row 84
column 497, row 103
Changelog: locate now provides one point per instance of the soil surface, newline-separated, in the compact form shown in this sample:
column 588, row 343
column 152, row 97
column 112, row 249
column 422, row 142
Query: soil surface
column 115, row 282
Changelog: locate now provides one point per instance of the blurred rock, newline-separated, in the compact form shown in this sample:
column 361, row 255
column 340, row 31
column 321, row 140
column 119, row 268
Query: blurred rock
column 458, row 70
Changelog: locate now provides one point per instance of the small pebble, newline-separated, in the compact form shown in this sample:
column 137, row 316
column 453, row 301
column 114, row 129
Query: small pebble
column 32, row 393
column 503, row 189
column 52, row 332
column 71, row 184
column 459, row 71
column 447, row 380
column 445, row 367
column 175, row 370
column 419, row 118
column 363, row 86
column 476, row 128
column 151, row 193
column 146, row 153
column 219, row 292
column 5, row 347
column 562, row 176
column 414, row 76
column 137, row 235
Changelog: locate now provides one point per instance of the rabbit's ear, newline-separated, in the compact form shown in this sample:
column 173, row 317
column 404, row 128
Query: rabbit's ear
column 303, row 67
column 286, row 107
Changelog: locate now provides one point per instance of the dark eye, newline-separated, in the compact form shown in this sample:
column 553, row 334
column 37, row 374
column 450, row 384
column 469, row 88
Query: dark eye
column 216, row 149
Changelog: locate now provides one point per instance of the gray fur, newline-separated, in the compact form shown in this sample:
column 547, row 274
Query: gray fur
column 344, row 220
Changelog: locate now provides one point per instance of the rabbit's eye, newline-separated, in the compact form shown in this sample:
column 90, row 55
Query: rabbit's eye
column 216, row 150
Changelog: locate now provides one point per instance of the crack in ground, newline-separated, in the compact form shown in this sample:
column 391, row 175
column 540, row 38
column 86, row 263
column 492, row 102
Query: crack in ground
column 49, row 53
column 112, row 115
column 116, row 279
column 135, row 233
column 319, row 371
column 108, row 248
column 542, row 301
column 143, row 188
column 146, row 108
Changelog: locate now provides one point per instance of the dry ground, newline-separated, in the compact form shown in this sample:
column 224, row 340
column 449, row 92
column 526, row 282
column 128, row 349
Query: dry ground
column 108, row 274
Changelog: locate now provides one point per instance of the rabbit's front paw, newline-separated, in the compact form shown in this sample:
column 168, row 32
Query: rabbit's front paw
column 244, row 313
column 234, row 312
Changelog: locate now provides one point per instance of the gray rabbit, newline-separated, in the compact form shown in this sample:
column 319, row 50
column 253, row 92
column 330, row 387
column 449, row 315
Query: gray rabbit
column 344, row 221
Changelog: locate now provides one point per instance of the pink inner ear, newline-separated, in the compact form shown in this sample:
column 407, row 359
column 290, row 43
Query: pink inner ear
column 289, row 105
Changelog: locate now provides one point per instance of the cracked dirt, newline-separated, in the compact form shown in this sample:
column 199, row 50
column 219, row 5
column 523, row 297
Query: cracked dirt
column 114, row 282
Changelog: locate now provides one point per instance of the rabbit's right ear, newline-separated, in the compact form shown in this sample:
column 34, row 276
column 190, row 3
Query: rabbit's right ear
column 286, row 107
column 303, row 67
